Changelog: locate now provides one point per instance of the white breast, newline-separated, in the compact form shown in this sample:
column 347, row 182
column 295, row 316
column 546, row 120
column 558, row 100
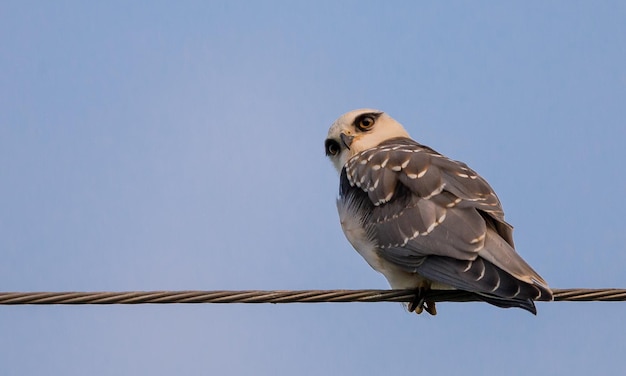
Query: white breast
column 357, row 236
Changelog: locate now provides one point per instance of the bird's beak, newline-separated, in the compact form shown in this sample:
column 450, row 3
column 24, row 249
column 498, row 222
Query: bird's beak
column 347, row 140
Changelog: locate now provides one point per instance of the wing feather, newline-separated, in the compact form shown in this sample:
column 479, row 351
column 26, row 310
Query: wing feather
column 432, row 216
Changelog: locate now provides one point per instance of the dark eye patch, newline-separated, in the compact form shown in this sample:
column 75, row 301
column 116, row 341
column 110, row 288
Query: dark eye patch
column 332, row 147
column 365, row 122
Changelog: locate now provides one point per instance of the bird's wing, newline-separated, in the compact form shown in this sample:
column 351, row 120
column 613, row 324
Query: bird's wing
column 435, row 216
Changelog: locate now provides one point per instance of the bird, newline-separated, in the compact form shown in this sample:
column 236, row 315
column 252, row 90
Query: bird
column 423, row 220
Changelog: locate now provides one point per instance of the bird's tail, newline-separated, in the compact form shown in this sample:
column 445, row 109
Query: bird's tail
column 490, row 283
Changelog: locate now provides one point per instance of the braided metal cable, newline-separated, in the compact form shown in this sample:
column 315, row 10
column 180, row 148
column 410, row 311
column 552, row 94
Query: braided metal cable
column 278, row 296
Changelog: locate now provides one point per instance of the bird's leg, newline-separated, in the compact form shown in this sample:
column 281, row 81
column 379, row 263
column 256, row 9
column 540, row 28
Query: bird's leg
column 430, row 307
column 419, row 303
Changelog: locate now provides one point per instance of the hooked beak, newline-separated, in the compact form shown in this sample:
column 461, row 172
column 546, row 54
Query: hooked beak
column 346, row 140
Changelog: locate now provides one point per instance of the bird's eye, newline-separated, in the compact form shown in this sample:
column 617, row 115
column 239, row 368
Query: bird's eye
column 332, row 147
column 366, row 123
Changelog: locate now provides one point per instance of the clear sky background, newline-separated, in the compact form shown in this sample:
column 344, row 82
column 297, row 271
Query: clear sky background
column 179, row 145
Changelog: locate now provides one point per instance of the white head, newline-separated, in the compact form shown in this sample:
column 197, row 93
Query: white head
column 359, row 130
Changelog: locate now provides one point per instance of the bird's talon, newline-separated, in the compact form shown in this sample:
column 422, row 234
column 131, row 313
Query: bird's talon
column 418, row 303
column 430, row 307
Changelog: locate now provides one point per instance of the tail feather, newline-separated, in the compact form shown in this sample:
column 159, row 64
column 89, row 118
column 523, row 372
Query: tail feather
column 486, row 280
column 526, row 304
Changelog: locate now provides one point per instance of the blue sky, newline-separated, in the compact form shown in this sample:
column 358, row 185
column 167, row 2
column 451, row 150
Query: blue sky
column 166, row 146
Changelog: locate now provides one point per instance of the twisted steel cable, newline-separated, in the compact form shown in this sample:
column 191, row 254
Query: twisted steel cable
column 278, row 296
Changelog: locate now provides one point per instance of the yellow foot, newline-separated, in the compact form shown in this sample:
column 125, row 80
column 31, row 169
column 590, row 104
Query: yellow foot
column 430, row 307
column 419, row 304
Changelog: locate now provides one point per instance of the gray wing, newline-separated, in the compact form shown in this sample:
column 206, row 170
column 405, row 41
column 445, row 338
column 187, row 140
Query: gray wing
column 437, row 217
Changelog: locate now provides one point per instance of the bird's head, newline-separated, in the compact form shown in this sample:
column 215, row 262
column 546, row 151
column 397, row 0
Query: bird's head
column 359, row 130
